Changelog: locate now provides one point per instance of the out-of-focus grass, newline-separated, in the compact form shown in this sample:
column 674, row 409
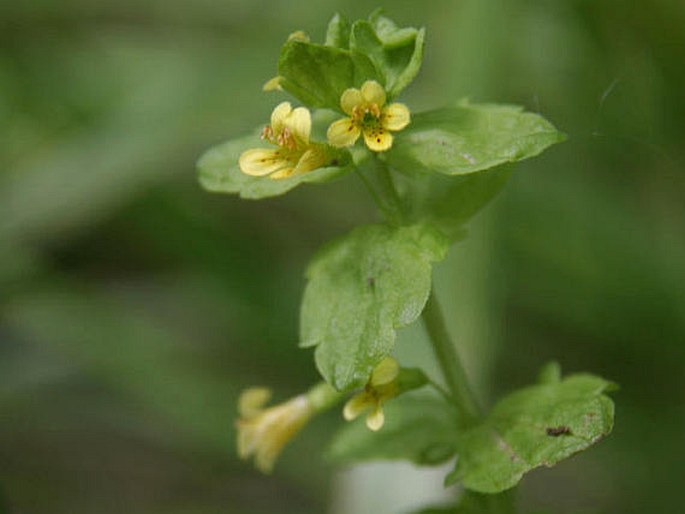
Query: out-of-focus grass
column 135, row 306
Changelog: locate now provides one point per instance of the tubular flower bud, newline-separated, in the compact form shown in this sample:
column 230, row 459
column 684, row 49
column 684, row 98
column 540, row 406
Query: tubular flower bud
column 263, row 432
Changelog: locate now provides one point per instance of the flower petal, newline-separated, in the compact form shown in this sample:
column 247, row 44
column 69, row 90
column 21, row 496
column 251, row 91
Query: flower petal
column 312, row 159
column 261, row 161
column 252, row 400
column 395, row 117
column 378, row 139
column 343, row 133
column 279, row 115
column 375, row 419
column 273, row 84
column 246, row 440
column 299, row 35
column 385, row 372
column 284, row 173
column 373, row 93
column 299, row 122
column 357, row 405
column 350, row 99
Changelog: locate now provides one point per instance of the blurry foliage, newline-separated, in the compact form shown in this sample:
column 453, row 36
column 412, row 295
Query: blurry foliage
column 134, row 305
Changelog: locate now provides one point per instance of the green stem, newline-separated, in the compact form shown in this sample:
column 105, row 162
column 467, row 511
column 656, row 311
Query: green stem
column 460, row 392
column 449, row 361
column 376, row 178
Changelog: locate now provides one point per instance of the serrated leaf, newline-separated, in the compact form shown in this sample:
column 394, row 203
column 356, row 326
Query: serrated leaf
column 469, row 138
column 396, row 53
column 219, row 172
column 536, row 426
column 418, row 429
column 361, row 288
column 449, row 202
column 317, row 75
column 338, row 32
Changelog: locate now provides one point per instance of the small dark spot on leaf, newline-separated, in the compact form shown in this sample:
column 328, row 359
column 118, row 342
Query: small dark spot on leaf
column 557, row 431
column 371, row 281
column 334, row 162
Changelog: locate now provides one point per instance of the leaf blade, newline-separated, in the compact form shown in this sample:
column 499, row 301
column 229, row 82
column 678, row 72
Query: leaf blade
column 360, row 289
column 470, row 137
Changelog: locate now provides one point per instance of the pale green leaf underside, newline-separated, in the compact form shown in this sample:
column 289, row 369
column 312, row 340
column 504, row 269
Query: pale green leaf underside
column 361, row 288
column 532, row 427
column 469, row 138
column 219, row 172
column 418, row 429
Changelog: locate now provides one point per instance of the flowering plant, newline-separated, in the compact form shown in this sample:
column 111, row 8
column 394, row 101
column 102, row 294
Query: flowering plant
column 429, row 173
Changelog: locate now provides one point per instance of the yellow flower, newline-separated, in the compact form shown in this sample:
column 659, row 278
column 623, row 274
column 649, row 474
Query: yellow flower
column 381, row 387
column 368, row 117
column 264, row 432
column 289, row 132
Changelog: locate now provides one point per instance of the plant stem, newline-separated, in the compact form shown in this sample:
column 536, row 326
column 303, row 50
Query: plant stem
column 449, row 361
column 389, row 202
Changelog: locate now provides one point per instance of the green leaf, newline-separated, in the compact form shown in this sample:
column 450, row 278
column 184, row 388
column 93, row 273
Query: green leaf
column 219, row 172
column 338, row 33
column 317, row 75
column 361, row 288
column 469, row 138
column 418, row 429
column 449, row 202
column 396, row 53
column 536, row 426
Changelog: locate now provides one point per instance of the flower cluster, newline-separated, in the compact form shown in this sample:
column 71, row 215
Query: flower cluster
column 290, row 129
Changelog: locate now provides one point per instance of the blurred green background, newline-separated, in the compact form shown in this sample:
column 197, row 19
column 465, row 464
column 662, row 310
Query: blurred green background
column 134, row 306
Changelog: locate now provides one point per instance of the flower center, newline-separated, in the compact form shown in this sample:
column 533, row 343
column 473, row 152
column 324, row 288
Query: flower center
column 366, row 115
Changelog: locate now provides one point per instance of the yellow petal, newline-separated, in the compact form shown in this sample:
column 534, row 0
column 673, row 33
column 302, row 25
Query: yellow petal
column 299, row 122
column 252, row 400
column 385, row 372
column 299, row 35
column 312, row 159
column 378, row 139
column 246, row 441
column 343, row 133
column 284, row 173
column 350, row 99
column 395, row 117
column 261, row 161
column 375, row 419
column 265, row 459
column 357, row 405
column 273, row 84
column 373, row 93
column 279, row 115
